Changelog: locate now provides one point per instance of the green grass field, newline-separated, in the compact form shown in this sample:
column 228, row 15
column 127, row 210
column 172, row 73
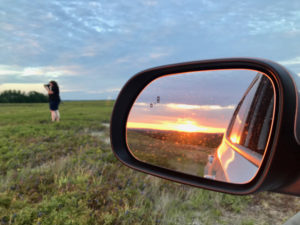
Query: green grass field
column 66, row 173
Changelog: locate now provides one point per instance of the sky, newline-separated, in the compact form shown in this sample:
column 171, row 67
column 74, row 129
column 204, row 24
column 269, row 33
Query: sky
column 91, row 48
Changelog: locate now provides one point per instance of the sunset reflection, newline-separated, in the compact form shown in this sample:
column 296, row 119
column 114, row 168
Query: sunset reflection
column 178, row 122
column 185, row 125
column 235, row 138
column 180, row 117
column 188, row 126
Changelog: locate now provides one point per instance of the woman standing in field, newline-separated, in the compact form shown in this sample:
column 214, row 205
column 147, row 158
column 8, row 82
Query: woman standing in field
column 54, row 99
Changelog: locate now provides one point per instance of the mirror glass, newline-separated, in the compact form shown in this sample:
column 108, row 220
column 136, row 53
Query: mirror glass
column 213, row 124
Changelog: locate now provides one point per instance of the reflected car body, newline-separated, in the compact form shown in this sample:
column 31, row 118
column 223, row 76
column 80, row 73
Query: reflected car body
column 230, row 166
column 238, row 158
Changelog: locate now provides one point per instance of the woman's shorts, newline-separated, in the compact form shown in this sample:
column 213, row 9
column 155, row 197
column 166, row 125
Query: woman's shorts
column 53, row 105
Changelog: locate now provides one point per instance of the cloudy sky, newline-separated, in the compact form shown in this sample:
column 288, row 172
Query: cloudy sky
column 92, row 47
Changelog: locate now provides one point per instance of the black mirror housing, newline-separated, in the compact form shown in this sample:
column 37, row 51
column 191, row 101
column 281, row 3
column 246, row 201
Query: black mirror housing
column 279, row 171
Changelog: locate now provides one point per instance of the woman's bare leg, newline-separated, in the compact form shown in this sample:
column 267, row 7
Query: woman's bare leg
column 53, row 115
column 57, row 115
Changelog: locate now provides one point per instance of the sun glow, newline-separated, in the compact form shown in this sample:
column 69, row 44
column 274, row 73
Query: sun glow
column 187, row 126
column 184, row 125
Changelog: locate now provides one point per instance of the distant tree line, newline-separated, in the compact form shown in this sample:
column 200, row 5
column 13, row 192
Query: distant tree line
column 14, row 96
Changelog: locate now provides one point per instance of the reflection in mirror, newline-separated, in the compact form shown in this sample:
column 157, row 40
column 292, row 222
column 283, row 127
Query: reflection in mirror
column 213, row 124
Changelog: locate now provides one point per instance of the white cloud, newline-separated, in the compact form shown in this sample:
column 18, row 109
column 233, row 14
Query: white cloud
column 124, row 59
column 200, row 107
column 145, row 57
column 176, row 106
column 64, row 89
column 150, row 3
column 273, row 22
column 110, row 90
column 47, row 71
column 98, row 18
column 7, row 27
column 9, row 70
column 141, row 104
column 113, row 90
column 157, row 55
column 293, row 61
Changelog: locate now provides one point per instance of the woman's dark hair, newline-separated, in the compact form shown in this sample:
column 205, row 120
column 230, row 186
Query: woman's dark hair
column 54, row 84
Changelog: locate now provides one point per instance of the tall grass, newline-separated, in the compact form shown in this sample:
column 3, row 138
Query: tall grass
column 65, row 173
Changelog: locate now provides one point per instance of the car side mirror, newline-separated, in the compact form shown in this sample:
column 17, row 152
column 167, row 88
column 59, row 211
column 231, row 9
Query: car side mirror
column 214, row 124
column 228, row 125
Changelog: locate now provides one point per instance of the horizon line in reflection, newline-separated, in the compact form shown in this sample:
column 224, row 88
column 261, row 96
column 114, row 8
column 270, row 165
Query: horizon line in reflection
column 185, row 126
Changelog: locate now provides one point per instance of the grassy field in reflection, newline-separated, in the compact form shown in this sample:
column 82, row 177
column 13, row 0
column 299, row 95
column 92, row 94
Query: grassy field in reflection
column 177, row 150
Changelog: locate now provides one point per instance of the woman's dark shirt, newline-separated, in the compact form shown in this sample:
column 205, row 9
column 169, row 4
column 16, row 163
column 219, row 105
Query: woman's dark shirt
column 55, row 96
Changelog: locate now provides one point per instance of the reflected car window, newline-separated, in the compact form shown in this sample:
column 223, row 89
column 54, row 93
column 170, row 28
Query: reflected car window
column 241, row 114
column 253, row 117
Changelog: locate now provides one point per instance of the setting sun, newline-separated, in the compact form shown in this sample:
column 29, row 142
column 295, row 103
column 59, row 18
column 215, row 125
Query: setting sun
column 187, row 126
